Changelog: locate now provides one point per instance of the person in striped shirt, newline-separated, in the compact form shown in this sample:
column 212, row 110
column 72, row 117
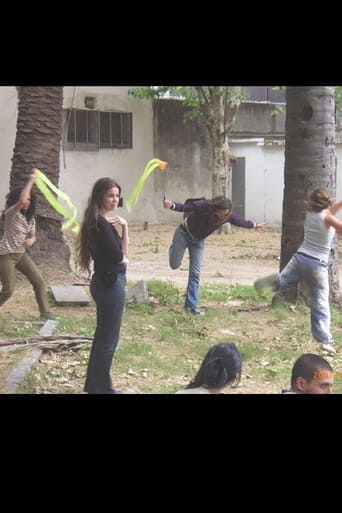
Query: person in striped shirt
column 20, row 233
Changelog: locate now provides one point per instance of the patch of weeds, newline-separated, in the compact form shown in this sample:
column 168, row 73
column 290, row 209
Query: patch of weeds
column 271, row 374
column 12, row 328
column 281, row 311
column 165, row 292
column 214, row 292
column 336, row 316
column 140, row 308
column 251, row 351
column 222, row 292
column 70, row 326
column 243, row 292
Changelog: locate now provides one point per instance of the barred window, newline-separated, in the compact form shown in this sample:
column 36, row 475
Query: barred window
column 90, row 130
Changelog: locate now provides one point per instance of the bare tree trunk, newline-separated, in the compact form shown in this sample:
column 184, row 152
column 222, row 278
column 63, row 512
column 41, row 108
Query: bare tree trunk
column 219, row 116
column 37, row 144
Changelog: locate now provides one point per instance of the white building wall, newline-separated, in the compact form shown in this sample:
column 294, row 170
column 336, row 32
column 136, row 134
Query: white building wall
column 80, row 169
column 8, row 124
column 273, row 184
column 264, row 180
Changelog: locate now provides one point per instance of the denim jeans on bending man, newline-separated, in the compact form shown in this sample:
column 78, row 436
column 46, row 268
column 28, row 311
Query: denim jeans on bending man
column 182, row 241
column 315, row 273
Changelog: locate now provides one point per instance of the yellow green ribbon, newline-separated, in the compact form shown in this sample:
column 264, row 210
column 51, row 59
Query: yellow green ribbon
column 44, row 185
column 150, row 166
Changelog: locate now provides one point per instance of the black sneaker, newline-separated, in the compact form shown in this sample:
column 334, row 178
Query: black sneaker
column 48, row 316
column 194, row 311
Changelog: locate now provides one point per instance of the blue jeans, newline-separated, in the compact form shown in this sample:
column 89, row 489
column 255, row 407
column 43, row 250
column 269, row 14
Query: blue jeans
column 182, row 241
column 110, row 303
column 315, row 273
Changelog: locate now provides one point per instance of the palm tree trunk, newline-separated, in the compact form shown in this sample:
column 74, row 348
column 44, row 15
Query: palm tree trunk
column 37, row 144
column 310, row 163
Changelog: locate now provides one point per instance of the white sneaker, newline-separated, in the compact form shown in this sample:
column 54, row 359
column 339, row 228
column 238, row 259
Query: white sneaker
column 328, row 348
column 268, row 282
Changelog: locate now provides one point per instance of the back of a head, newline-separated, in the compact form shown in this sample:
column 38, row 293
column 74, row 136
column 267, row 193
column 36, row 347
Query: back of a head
column 318, row 200
column 221, row 366
column 221, row 203
column 306, row 366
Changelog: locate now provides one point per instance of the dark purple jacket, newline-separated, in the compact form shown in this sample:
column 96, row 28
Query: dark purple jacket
column 200, row 224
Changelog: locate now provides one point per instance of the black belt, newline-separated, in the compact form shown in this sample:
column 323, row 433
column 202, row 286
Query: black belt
column 313, row 258
column 184, row 227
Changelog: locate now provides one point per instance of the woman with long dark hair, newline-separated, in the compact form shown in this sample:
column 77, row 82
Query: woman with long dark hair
column 19, row 234
column 221, row 367
column 202, row 217
column 101, row 243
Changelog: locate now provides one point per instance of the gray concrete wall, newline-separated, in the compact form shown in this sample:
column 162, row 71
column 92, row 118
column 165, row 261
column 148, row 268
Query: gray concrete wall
column 258, row 136
column 187, row 148
column 259, row 120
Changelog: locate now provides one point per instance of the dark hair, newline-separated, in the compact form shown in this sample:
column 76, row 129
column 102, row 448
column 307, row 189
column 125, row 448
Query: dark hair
column 14, row 195
column 89, row 224
column 218, row 203
column 318, row 200
column 221, row 366
column 306, row 366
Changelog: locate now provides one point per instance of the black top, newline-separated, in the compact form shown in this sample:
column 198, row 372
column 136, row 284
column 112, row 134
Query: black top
column 107, row 253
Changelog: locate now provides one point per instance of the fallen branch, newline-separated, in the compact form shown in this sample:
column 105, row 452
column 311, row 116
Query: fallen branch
column 57, row 343
column 250, row 309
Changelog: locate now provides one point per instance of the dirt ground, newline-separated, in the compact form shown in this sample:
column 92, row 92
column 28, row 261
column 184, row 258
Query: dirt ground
column 241, row 256
column 237, row 257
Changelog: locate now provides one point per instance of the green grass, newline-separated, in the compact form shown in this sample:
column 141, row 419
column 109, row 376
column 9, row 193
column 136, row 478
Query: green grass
column 11, row 328
column 161, row 347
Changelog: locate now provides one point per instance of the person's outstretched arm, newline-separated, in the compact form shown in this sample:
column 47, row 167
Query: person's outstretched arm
column 168, row 204
column 331, row 220
column 25, row 194
column 335, row 207
column 188, row 206
column 245, row 223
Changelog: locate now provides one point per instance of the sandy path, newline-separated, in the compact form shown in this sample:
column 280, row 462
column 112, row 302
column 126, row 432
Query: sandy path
column 240, row 257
